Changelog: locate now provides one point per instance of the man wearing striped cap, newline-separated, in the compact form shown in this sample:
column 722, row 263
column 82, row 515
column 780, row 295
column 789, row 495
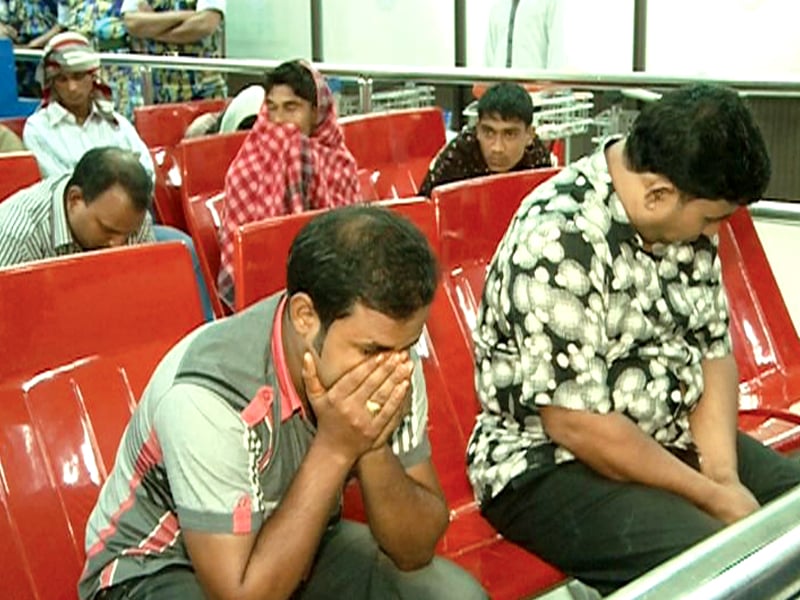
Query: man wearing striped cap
column 76, row 113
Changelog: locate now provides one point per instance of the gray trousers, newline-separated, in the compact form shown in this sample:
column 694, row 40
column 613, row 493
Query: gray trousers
column 349, row 565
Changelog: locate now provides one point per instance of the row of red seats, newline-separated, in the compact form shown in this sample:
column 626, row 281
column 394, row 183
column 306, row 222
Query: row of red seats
column 80, row 358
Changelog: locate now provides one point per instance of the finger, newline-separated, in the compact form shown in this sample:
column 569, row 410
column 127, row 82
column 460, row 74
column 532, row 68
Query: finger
column 391, row 414
column 401, row 373
column 314, row 387
column 360, row 381
column 392, row 406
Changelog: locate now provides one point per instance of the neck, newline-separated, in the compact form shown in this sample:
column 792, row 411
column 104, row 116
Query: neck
column 81, row 114
column 629, row 189
column 293, row 353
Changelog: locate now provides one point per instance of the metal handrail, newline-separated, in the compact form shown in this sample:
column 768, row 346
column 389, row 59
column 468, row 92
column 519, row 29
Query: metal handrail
column 776, row 211
column 757, row 557
column 449, row 75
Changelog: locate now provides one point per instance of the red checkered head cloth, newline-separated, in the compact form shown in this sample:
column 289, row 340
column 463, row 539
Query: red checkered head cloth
column 70, row 52
column 279, row 171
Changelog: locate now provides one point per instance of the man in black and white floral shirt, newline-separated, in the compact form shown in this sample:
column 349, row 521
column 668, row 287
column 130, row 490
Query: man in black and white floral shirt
column 608, row 438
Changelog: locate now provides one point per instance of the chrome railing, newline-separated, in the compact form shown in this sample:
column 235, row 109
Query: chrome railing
column 755, row 558
column 365, row 74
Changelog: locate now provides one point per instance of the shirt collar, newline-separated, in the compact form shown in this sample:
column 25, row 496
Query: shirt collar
column 56, row 113
column 62, row 234
column 290, row 400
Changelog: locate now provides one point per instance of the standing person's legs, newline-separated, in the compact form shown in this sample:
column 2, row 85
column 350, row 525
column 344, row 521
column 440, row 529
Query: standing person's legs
column 350, row 565
column 602, row 532
column 763, row 471
column 165, row 233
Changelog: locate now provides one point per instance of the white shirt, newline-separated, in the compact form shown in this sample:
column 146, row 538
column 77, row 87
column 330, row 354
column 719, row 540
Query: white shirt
column 57, row 140
column 218, row 5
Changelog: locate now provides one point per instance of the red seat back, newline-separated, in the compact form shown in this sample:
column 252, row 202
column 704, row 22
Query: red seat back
column 394, row 148
column 162, row 125
column 260, row 249
column 82, row 335
column 765, row 342
column 204, row 162
column 19, row 170
column 203, row 217
column 15, row 124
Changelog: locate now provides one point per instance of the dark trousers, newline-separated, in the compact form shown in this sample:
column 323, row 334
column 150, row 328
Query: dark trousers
column 349, row 565
column 607, row 533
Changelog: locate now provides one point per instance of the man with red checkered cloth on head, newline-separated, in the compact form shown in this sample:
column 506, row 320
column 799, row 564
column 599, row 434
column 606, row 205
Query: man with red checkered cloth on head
column 293, row 160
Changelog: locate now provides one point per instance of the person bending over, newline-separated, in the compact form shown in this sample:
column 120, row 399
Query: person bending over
column 607, row 442
column 228, row 479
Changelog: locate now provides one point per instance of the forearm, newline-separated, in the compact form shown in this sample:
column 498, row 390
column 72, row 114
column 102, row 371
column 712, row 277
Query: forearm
column 714, row 422
column 615, row 447
column 41, row 41
column 193, row 29
column 153, row 24
column 406, row 518
column 288, row 541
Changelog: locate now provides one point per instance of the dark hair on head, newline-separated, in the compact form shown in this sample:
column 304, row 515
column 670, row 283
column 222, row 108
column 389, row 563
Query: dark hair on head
column 365, row 254
column 509, row 101
column 297, row 77
column 247, row 123
column 705, row 141
column 102, row 168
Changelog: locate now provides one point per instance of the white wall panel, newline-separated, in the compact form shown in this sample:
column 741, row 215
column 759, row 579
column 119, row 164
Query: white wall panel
column 269, row 29
column 736, row 39
column 390, row 32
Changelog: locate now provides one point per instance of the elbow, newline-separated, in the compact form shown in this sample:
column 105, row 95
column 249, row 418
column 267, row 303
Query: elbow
column 132, row 25
column 561, row 426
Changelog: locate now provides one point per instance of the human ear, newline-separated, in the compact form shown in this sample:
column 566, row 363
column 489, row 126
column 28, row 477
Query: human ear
column 74, row 198
column 303, row 316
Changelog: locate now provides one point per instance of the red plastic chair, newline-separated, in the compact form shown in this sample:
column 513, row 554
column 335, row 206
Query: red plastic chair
column 256, row 278
column 765, row 342
column 19, row 170
column 83, row 334
column 203, row 219
column 259, row 270
column 164, row 125
column 394, row 148
column 15, row 124
column 204, row 162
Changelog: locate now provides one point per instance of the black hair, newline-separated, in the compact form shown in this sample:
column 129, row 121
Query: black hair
column 365, row 254
column 101, row 168
column 297, row 77
column 247, row 123
column 705, row 141
column 509, row 101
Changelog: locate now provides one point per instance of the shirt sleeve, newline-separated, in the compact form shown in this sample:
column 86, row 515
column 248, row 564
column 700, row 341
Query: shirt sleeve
column 136, row 144
column 410, row 441
column 545, row 294
column 35, row 140
column 217, row 5
column 205, row 451
column 712, row 337
column 129, row 6
column 14, row 248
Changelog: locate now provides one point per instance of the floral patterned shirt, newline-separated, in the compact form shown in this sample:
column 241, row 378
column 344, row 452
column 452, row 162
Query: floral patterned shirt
column 576, row 313
column 171, row 85
column 100, row 21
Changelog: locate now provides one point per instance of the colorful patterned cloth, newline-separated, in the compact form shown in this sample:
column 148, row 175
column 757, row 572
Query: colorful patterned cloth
column 100, row 21
column 280, row 171
column 31, row 18
column 181, row 86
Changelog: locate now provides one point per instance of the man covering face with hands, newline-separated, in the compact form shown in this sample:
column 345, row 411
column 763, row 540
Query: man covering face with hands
column 249, row 428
